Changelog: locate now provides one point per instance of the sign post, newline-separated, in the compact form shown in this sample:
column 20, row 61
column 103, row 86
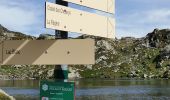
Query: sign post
column 59, row 89
column 63, row 19
column 61, row 71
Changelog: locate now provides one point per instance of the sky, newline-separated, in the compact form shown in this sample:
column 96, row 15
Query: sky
column 134, row 18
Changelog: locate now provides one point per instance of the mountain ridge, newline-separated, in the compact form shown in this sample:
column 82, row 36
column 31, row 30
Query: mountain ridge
column 6, row 34
column 128, row 57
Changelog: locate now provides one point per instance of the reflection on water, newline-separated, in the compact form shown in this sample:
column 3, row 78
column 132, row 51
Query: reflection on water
column 97, row 89
column 20, row 83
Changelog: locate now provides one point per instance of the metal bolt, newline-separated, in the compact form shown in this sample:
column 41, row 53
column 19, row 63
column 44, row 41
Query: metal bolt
column 68, row 52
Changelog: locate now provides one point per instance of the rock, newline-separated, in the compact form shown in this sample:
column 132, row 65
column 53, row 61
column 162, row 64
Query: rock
column 159, row 64
column 158, row 38
column 166, row 74
column 46, row 37
column 164, row 56
column 167, row 48
column 106, row 44
column 50, row 73
column 4, row 77
column 132, row 74
column 145, row 75
column 73, row 74
column 89, row 67
column 5, row 96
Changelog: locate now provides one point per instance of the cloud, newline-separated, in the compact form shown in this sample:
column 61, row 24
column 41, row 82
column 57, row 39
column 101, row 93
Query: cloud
column 23, row 16
column 138, row 23
column 161, row 16
column 19, row 15
column 133, row 17
column 16, row 17
column 136, row 18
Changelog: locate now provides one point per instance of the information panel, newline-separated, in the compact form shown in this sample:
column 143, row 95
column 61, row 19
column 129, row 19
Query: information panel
column 103, row 5
column 56, row 90
column 68, row 19
column 28, row 52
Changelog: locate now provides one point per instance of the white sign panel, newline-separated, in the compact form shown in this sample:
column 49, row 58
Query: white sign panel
column 68, row 19
column 103, row 5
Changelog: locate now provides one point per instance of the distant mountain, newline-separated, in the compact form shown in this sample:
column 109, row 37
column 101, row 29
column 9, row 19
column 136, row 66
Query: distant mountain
column 46, row 37
column 129, row 57
column 6, row 34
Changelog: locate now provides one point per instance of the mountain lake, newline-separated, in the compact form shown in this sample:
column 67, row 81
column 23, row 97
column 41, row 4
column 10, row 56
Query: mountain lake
column 97, row 89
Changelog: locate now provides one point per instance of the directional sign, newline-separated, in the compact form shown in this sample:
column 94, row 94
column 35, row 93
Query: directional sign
column 50, row 90
column 68, row 19
column 26, row 52
column 103, row 5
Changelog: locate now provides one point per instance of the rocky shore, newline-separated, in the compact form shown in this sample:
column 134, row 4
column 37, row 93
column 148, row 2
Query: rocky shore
column 5, row 96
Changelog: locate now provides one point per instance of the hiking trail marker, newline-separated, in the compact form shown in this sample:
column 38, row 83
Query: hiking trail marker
column 47, row 52
column 51, row 90
column 102, row 5
column 72, row 20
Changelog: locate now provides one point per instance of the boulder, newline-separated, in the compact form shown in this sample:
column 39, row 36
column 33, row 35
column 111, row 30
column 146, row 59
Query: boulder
column 145, row 75
column 166, row 74
column 73, row 74
column 158, row 38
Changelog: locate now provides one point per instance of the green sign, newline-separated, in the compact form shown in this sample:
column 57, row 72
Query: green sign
column 56, row 90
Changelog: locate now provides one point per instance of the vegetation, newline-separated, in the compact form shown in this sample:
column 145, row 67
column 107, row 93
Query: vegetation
column 4, row 97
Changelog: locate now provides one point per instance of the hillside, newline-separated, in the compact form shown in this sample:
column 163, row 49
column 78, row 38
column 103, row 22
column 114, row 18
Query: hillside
column 22, row 71
column 6, row 34
column 147, row 57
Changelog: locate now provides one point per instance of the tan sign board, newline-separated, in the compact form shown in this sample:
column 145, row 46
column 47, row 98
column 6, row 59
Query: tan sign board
column 103, row 5
column 35, row 52
column 68, row 19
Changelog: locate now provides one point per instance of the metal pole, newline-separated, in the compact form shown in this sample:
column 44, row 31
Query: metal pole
column 61, row 71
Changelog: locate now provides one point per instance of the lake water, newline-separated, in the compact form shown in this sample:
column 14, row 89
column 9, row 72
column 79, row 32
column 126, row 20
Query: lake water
column 96, row 89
